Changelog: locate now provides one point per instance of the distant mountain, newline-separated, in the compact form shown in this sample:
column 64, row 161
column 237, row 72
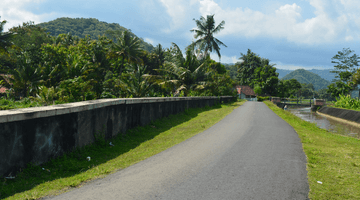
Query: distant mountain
column 283, row 72
column 324, row 73
column 82, row 27
column 304, row 76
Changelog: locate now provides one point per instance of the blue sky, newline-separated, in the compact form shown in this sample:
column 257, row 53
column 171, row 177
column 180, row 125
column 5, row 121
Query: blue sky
column 291, row 33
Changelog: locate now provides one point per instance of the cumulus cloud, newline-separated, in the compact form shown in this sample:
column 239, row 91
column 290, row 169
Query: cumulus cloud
column 177, row 11
column 280, row 65
column 335, row 20
column 150, row 41
column 224, row 58
column 15, row 12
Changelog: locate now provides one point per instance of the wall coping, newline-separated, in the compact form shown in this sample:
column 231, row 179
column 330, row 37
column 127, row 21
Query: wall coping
column 60, row 109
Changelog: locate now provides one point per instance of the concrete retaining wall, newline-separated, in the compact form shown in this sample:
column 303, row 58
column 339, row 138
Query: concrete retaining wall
column 350, row 115
column 37, row 134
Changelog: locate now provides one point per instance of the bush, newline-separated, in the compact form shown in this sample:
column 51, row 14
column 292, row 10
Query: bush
column 260, row 98
column 347, row 102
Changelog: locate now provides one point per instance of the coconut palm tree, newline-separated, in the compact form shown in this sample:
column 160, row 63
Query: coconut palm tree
column 205, row 35
column 183, row 74
column 137, row 84
column 127, row 48
column 25, row 78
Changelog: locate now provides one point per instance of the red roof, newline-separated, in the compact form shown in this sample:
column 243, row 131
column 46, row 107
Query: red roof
column 245, row 90
column 3, row 89
column 5, row 77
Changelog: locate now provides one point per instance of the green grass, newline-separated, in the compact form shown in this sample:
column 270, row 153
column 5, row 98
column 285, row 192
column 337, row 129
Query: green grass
column 7, row 104
column 332, row 159
column 73, row 170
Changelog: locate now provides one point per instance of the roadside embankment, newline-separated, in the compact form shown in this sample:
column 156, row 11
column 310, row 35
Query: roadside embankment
column 35, row 135
column 333, row 160
column 349, row 115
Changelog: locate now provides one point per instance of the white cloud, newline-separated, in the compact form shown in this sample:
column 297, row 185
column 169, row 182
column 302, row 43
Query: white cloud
column 177, row 11
column 15, row 12
column 148, row 40
column 224, row 58
column 280, row 65
column 335, row 21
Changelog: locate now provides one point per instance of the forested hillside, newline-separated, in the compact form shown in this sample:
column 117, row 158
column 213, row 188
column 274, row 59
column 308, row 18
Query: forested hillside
column 324, row 73
column 307, row 77
column 82, row 27
column 283, row 72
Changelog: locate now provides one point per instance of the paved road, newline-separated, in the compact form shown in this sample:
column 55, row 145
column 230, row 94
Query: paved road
column 251, row 154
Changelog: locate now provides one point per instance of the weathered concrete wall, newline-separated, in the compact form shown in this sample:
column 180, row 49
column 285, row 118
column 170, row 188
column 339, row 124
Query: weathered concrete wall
column 350, row 115
column 320, row 102
column 38, row 134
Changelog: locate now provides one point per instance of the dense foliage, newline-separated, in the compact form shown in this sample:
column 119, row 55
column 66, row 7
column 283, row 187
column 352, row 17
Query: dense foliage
column 256, row 71
column 347, row 73
column 67, row 68
column 83, row 27
column 347, row 102
column 304, row 76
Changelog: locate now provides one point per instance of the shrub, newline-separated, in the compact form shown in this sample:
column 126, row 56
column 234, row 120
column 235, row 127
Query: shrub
column 260, row 98
column 347, row 102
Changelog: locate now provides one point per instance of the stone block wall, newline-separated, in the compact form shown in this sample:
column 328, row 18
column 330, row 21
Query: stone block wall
column 37, row 134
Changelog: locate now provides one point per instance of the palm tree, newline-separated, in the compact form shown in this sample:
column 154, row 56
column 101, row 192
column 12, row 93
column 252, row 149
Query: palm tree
column 137, row 83
column 5, row 38
column 25, row 78
column 205, row 35
column 128, row 48
column 183, row 74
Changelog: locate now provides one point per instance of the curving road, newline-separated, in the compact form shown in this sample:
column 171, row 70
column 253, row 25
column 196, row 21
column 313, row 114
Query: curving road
column 250, row 154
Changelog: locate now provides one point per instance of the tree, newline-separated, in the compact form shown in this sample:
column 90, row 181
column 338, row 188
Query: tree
column 346, row 70
column 183, row 74
column 254, row 70
column 127, row 48
column 136, row 83
column 246, row 68
column 26, row 77
column 205, row 34
column 345, row 64
column 5, row 38
column 338, row 88
column 288, row 88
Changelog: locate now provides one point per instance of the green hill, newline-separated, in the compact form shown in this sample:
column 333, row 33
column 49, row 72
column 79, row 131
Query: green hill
column 84, row 26
column 307, row 77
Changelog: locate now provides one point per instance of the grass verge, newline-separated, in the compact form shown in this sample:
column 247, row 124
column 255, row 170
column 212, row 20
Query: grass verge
column 332, row 159
column 73, row 169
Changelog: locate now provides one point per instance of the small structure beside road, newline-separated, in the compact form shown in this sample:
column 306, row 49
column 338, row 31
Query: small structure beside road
column 246, row 92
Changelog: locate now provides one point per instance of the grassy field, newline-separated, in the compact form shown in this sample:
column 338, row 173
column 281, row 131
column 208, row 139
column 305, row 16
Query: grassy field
column 333, row 160
column 73, row 169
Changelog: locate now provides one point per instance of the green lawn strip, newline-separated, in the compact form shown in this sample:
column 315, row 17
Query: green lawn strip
column 73, row 170
column 332, row 159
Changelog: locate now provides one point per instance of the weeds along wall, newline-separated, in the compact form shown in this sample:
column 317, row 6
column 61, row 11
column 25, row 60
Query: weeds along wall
column 35, row 135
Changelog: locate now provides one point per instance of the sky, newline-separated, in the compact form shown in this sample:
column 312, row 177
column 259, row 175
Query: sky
column 292, row 34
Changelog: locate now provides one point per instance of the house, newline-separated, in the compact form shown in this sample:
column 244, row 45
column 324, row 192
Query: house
column 245, row 92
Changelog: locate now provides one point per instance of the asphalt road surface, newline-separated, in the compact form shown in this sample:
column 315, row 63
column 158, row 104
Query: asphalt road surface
column 250, row 154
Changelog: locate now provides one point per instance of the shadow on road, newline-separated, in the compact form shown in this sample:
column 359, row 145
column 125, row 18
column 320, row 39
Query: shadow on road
column 76, row 162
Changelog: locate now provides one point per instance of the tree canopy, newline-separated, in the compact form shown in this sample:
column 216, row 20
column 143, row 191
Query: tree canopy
column 83, row 27
column 204, row 35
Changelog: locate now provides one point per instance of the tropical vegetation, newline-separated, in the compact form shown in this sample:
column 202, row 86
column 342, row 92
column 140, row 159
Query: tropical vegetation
column 64, row 68
column 347, row 72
